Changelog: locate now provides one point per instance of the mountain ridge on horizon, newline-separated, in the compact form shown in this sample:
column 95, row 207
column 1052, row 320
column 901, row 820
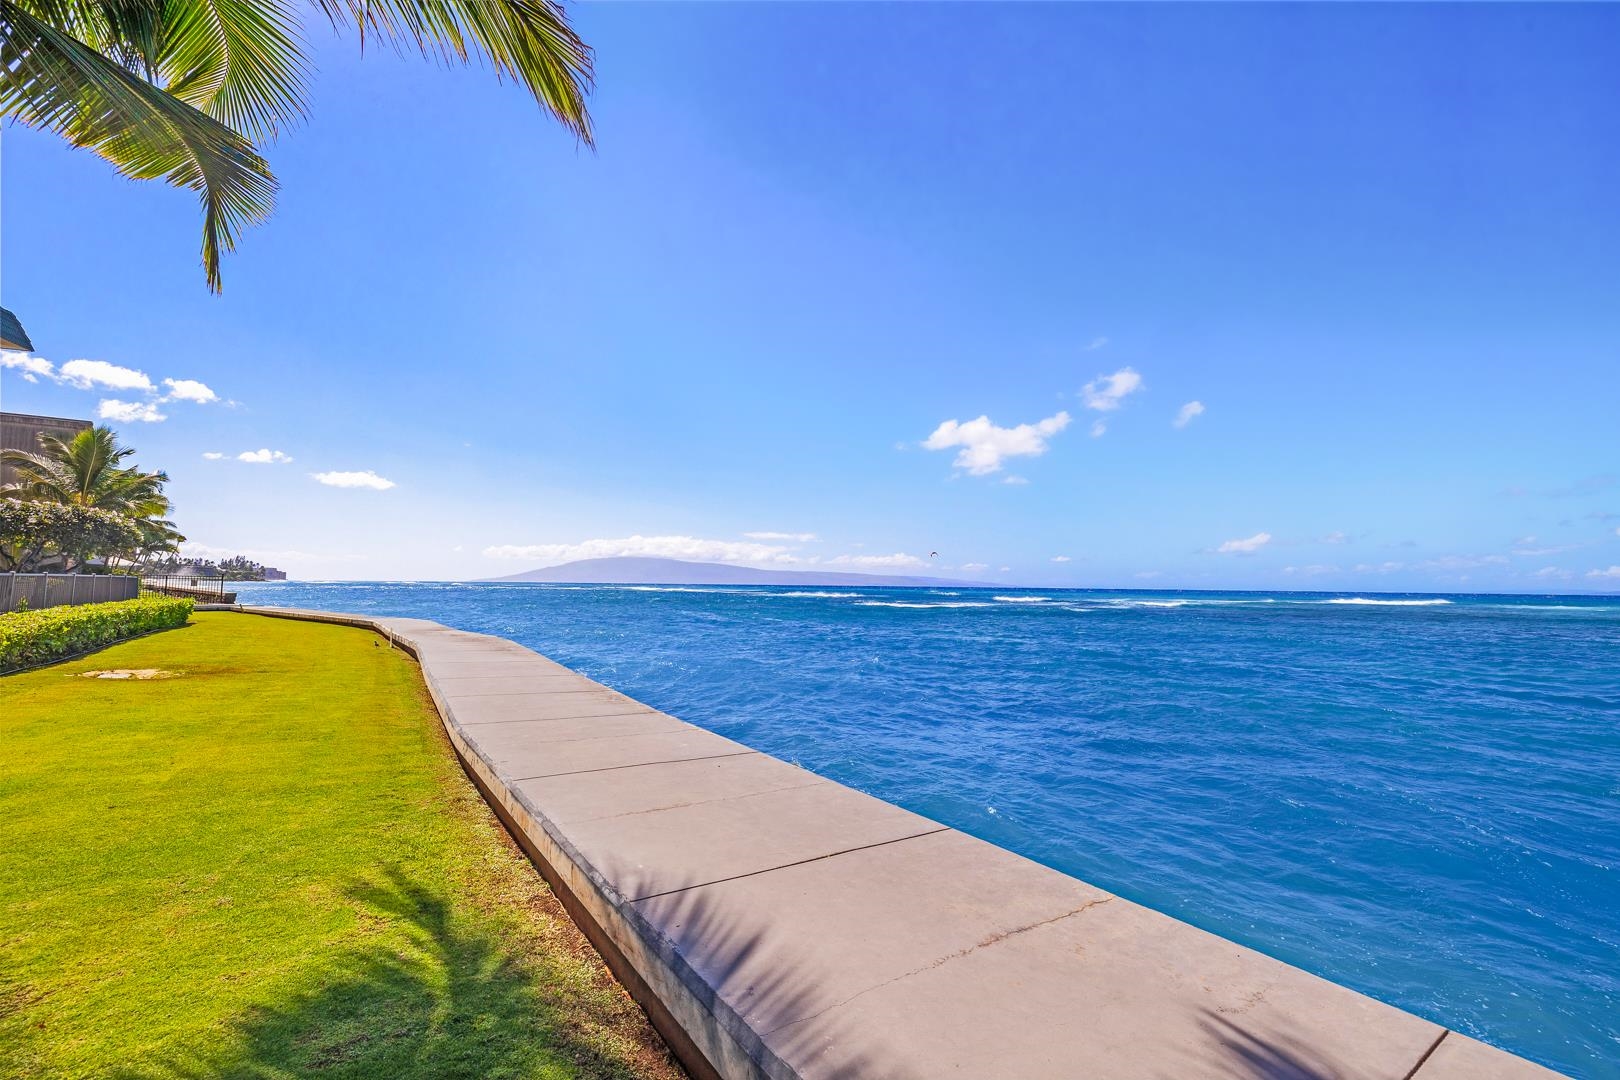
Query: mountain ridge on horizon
column 633, row 570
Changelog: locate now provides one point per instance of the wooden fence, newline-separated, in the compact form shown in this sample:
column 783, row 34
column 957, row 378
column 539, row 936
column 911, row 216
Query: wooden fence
column 35, row 591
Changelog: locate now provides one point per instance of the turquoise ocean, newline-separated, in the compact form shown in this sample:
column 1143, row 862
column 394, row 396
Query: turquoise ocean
column 1416, row 796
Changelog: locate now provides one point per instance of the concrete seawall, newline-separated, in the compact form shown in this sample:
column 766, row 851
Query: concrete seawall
column 776, row 924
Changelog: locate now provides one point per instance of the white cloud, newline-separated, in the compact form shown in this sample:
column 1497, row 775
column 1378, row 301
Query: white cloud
column 1550, row 549
column 276, row 457
column 1015, row 480
column 190, row 390
column 365, row 479
column 1314, row 570
column 1005, row 569
column 689, row 548
column 898, row 561
column 94, row 374
column 212, row 455
column 975, row 566
column 86, row 374
column 1187, row 412
column 1611, row 572
column 1336, row 537
column 1096, row 343
column 1099, row 428
column 1106, row 392
column 130, row 411
column 1149, row 575
column 1379, row 568
column 1617, row 532
column 1462, row 562
column 1247, row 546
column 797, row 538
column 1554, row 572
column 1061, row 558
column 984, row 445
column 31, row 367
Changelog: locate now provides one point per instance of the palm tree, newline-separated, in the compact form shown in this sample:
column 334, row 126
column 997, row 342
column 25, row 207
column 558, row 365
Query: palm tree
column 158, row 536
column 182, row 89
column 86, row 470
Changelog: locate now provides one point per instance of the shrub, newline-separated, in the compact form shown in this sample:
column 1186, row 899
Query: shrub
column 31, row 530
column 28, row 638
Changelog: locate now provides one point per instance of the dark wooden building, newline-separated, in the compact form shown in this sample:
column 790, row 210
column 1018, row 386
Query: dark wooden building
column 21, row 431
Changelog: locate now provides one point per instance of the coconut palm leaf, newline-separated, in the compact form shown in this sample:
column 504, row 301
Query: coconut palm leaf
column 177, row 88
column 129, row 32
column 86, row 470
column 51, row 80
column 529, row 41
column 240, row 61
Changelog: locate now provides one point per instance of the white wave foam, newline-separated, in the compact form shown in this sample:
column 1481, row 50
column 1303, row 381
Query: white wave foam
column 903, row 604
column 818, row 595
column 1022, row 599
column 1118, row 602
column 1188, row 601
column 667, row 588
column 1386, row 603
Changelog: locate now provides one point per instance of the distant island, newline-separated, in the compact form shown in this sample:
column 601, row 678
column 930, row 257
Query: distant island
column 634, row 571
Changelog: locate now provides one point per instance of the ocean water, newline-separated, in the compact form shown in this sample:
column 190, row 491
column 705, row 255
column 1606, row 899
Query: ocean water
column 1416, row 796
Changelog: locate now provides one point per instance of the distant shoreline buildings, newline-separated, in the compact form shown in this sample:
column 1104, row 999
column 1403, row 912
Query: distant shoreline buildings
column 233, row 569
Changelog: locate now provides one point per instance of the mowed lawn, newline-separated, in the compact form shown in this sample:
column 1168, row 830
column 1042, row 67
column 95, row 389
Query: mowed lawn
column 270, row 865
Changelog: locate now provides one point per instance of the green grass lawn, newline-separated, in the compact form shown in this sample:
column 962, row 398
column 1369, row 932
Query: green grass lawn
column 270, row 865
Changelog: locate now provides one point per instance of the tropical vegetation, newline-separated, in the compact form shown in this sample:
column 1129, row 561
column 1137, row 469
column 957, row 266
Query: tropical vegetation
column 266, row 862
column 231, row 568
column 76, row 499
column 184, row 89
column 32, row 532
column 29, row 638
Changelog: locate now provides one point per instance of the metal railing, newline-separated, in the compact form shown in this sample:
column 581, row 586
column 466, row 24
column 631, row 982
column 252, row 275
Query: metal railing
column 35, row 591
column 207, row 589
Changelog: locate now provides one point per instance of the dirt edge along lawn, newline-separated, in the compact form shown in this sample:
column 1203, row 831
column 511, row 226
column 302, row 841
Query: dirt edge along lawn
column 267, row 862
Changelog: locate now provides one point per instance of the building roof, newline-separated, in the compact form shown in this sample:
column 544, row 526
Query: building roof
column 12, row 334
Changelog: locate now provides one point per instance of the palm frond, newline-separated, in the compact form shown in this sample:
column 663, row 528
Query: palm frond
column 38, row 480
column 130, row 32
column 86, row 470
column 240, row 61
column 529, row 41
column 53, row 81
column 133, row 34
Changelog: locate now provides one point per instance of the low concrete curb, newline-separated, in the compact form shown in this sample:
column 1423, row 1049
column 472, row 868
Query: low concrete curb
column 776, row 924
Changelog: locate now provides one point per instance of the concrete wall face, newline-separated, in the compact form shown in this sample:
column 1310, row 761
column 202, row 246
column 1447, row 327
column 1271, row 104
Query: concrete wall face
column 35, row 591
column 776, row 924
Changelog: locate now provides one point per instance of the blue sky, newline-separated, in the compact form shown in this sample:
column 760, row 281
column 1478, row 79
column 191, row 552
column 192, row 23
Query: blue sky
column 1380, row 247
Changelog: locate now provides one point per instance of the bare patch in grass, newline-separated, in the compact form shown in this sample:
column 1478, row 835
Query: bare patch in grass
column 129, row 673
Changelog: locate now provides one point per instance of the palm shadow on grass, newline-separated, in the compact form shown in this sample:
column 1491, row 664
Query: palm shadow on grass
column 459, row 1002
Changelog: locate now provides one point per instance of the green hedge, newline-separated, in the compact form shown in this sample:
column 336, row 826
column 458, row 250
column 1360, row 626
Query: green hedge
column 28, row 638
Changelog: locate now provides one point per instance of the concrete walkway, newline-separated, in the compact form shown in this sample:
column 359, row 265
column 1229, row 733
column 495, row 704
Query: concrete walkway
column 776, row 924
